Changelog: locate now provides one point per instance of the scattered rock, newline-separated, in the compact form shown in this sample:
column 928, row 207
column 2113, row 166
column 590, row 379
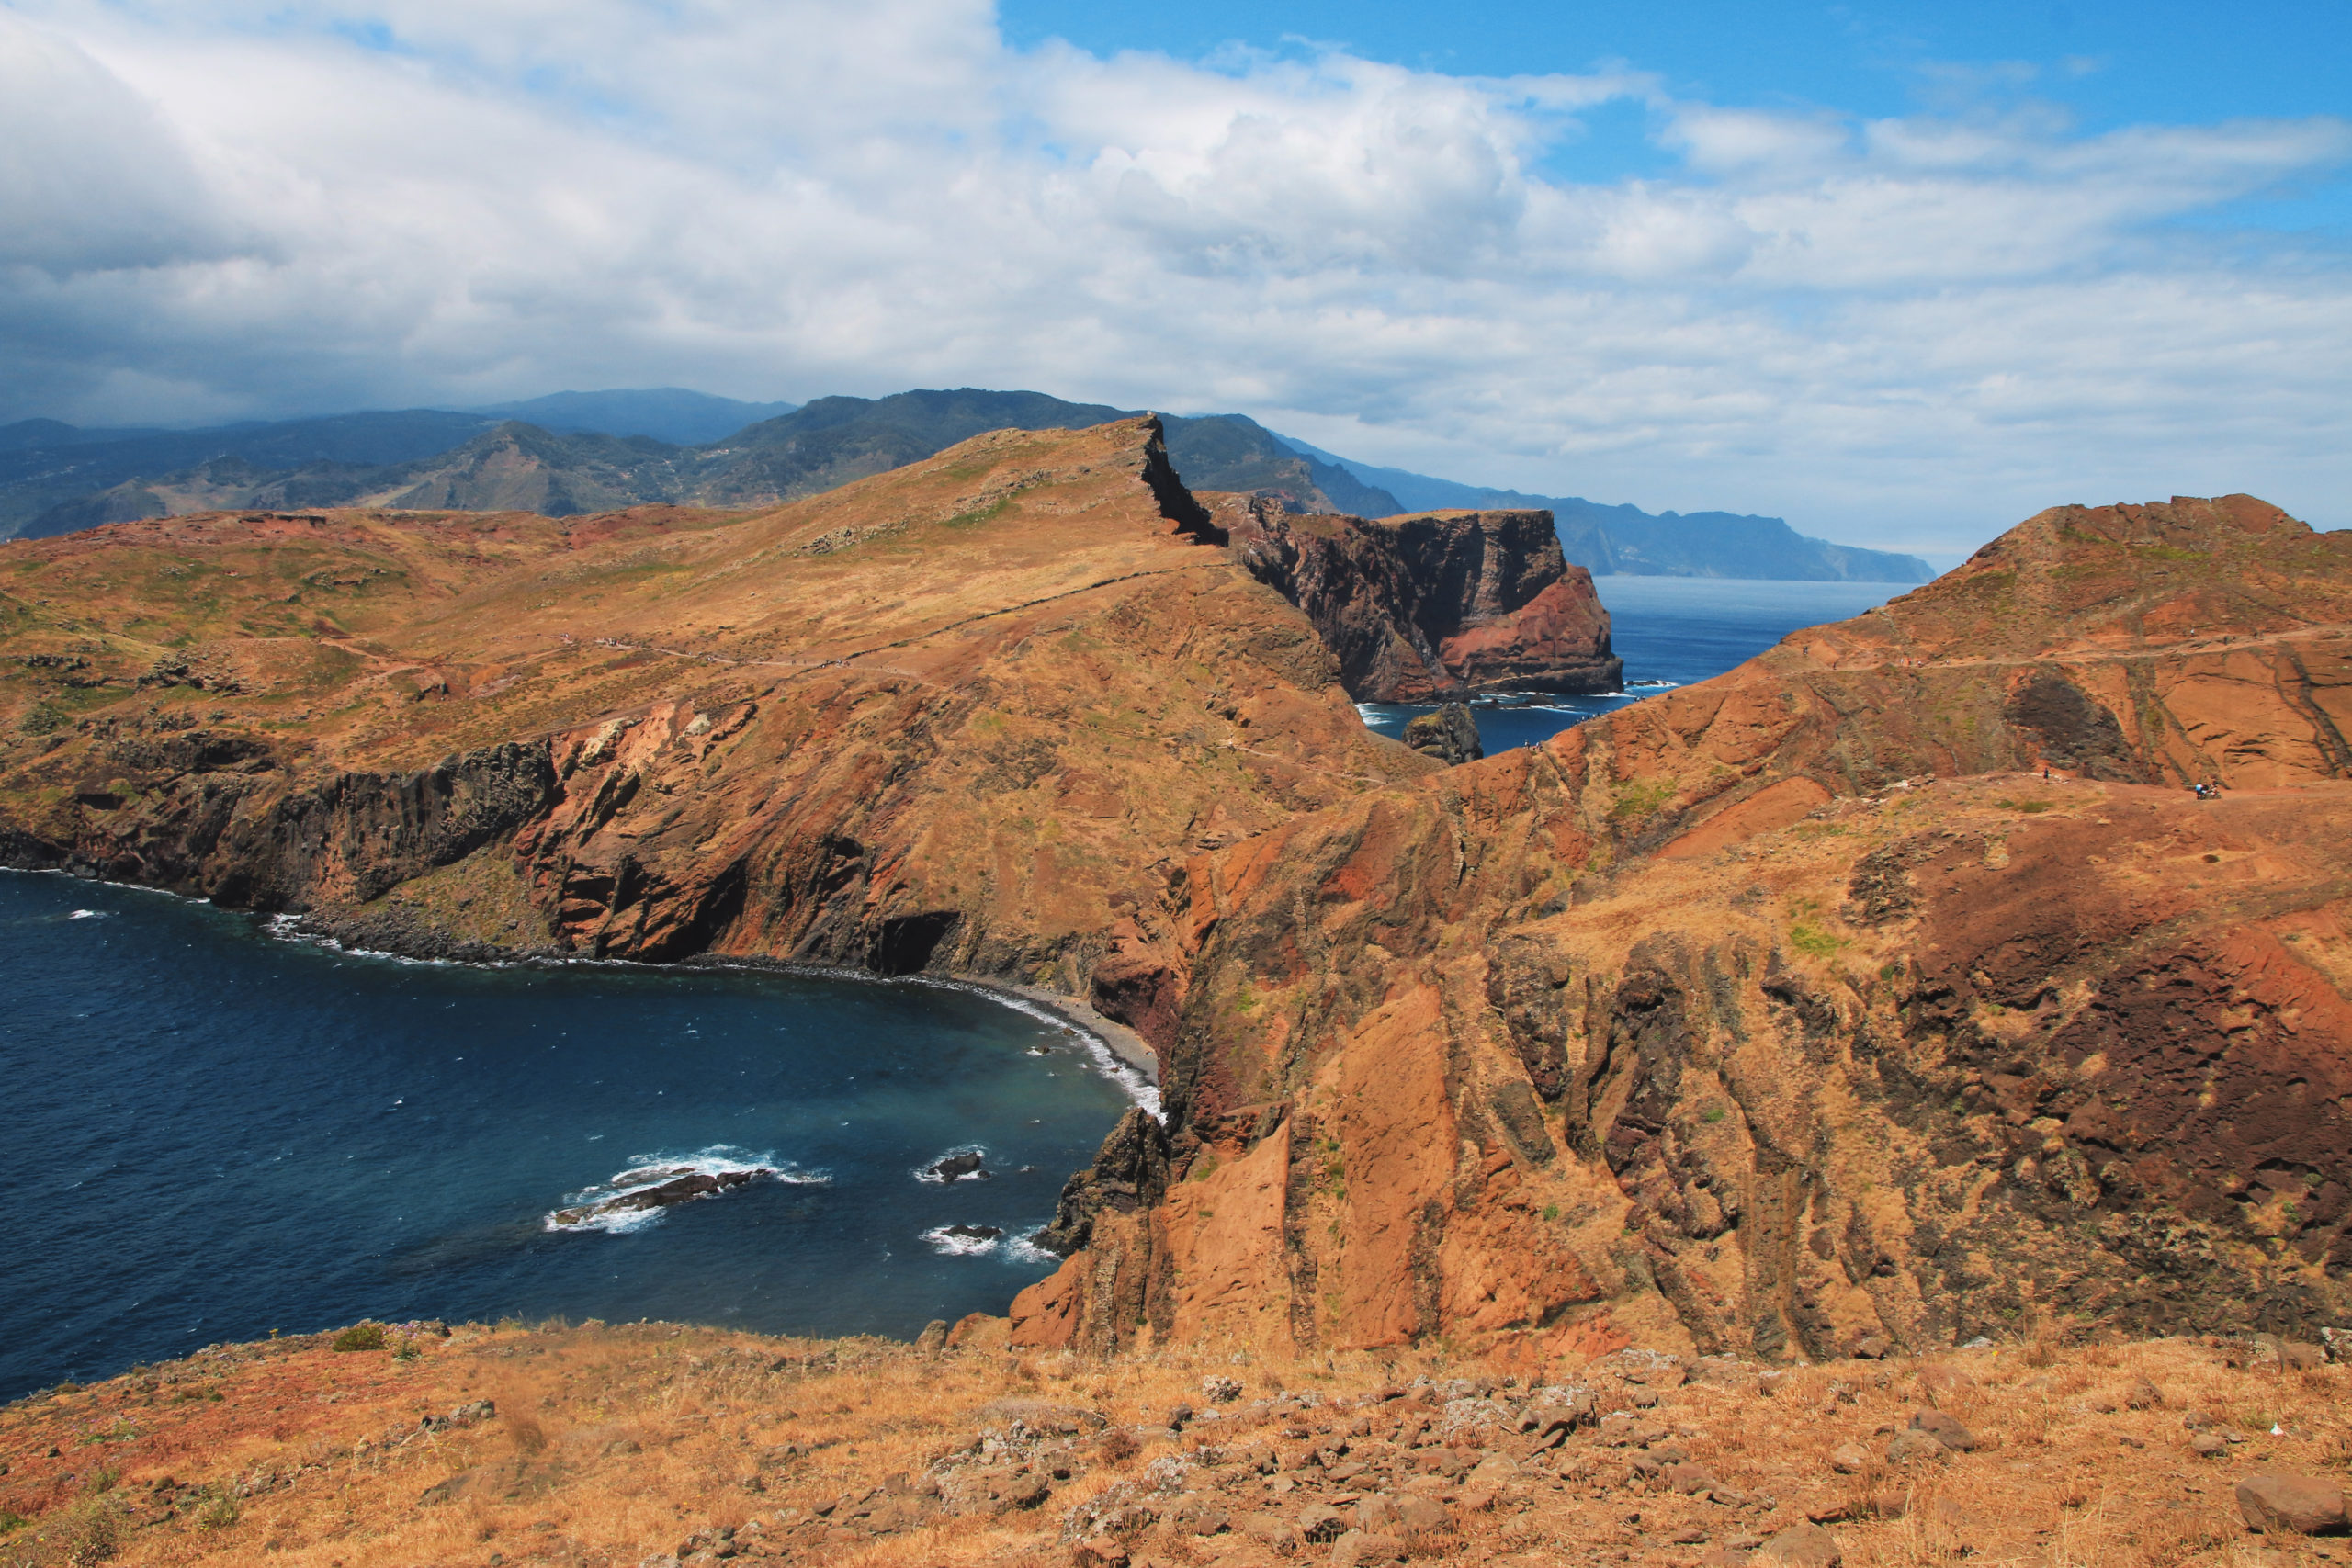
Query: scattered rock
column 1872, row 1348
column 2282, row 1500
column 1849, row 1458
column 1321, row 1524
column 2208, row 1445
column 1220, row 1390
column 1024, row 1491
column 934, row 1337
column 1360, row 1547
column 1944, row 1427
column 1910, row 1447
column 1691, row 1479
column 2143, row 1395
column 1099, row 1554
column 960, row 1167
column 1804, row 1546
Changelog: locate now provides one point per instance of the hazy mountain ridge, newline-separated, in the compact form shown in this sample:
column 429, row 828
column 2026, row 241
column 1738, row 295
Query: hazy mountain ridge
column 515, row 466
column 1625, row 541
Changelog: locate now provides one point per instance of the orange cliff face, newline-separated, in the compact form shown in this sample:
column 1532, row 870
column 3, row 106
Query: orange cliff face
column 1796, row 1007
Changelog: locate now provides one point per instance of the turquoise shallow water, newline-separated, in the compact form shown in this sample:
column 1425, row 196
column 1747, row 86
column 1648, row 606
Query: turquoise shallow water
column 214, row 1132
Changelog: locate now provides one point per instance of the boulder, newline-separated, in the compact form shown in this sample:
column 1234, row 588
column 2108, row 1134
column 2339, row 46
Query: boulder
column 1944, row 1427
column 1849, row 1458
column 1803, row 1546
column 2282, row 1500
column 1450, row 734
column 1910, row 1447
column 1363, row 1547
column 959, row 1168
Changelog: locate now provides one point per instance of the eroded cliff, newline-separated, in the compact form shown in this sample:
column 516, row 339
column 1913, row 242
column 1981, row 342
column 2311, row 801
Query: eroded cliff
column 1795, row 1007
column 1427, row 608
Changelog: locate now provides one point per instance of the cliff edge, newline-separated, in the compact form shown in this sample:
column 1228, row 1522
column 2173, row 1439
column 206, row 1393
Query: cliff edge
column 1436, row 607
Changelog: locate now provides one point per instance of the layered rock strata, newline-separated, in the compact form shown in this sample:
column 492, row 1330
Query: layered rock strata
column 1427, row 608
column 1795, row 1008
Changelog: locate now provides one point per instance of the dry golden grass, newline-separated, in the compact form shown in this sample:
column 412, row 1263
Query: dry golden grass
column 611, row 1445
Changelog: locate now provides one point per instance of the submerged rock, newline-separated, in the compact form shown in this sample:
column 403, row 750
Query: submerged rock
column 679, row 1186
column 974, row 1233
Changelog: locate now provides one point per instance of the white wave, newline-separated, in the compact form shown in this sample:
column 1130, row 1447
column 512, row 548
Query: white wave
column 580, row 1211
column 88, row 915
column 942, row 1240
column 1651, row 685
column 1023, row 1248
column 928, row 1172
column 1131, row 1079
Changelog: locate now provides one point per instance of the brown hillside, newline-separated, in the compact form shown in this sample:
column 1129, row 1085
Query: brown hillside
column 1793, row 1008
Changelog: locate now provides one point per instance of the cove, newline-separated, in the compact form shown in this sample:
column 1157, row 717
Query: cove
column 215, row 1133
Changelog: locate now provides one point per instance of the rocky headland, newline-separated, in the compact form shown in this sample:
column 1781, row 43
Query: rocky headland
column 1768, row 1017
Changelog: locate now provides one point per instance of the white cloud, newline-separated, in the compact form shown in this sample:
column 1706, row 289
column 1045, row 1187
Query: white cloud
column 1910, row 330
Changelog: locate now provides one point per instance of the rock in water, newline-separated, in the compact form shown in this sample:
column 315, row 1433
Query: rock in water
column 680, row 1189
column 1450, row 734
column 960, row 1167
column 975, row 1233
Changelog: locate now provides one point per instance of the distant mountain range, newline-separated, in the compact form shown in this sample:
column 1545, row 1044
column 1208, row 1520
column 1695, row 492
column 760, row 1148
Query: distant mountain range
column 581, row 452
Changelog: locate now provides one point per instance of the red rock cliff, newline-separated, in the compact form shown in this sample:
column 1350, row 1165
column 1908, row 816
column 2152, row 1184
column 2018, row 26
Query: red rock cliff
column 1433, row 607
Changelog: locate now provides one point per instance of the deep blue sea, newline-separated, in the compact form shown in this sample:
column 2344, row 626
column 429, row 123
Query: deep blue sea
column 214, row 1132
column 1670, row 631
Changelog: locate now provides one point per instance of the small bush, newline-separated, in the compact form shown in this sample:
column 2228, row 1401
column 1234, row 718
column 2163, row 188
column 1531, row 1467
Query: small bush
column 1120, row 1445
column 1713, row 1115
column 12, row 1520
column 42, row 719
column 1812, row 939
column 360, row 1336
column 89, row 1529
column 217, row 1512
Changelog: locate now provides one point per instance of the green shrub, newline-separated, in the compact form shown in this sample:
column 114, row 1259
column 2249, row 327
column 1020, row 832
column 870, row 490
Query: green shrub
column 1811, row 939
column 217, row 1512
column 1713, row 1115
column 360, row 1336
column 41, row 719
column 89, row 1529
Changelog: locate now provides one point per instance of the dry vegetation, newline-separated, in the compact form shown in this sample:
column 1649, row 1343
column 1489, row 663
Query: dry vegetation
column 607, row 1446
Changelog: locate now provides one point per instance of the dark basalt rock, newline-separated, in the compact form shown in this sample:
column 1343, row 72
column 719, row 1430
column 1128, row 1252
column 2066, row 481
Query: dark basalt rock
column 683, row 1186
column 1129, row 1172
column 975, row 1233
column 1450, row 735
column 960, row 1167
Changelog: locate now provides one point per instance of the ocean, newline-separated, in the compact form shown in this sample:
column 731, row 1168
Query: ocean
column 1670, row 631
column 217, row 1131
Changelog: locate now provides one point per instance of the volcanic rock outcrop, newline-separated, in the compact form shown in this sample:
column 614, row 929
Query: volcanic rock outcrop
column 1427, row 608
column 1795, row 1008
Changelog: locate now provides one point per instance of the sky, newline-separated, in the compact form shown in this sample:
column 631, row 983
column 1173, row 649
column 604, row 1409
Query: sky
column 1899, row 274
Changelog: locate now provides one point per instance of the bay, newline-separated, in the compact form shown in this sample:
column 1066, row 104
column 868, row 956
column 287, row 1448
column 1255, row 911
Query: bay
column 214, row 1132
